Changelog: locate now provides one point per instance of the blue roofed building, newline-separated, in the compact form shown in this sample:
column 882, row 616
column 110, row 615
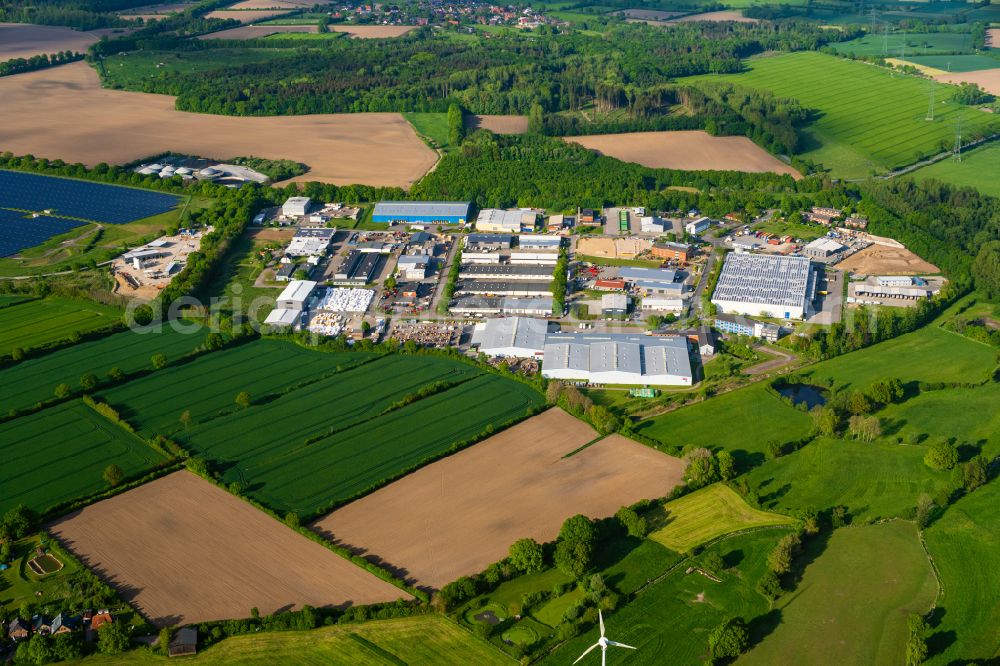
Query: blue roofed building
column 421, row 212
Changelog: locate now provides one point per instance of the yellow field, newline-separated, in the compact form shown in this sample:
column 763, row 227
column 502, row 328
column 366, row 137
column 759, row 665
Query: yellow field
column 706, row 514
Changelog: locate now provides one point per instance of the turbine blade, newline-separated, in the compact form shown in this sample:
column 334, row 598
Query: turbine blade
column 586, row 651
column 622, row 645
column 600, row 617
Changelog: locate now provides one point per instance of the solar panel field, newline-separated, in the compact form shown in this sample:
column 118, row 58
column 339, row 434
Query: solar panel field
column 869, row 118
column 34, row 380
column 44, row 321
column 81, row 199
column 60, row 454
column 319, row 429
column 19, row 230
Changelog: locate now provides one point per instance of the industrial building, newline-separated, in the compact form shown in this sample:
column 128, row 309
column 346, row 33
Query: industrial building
column 882, row 288
column 678, row 252
column 539, row 242
column 504, row 272
column 517, row 288
column 745, row 243
column 283, row 317
column 659, row 304
column 634, row 274
column 360, row 267
column 823, row 248
column 748, row 327
column 698, row 226
column 296, row 206
column 511, row 337
column 540, row 258
column 478, row 305
column 494, row 220
column 617, row 359
column 654, row 225
column 488, row 242
column 614, row 305
column 296, row 295
column 310, row 241
column 766, row 285
column 421, row 212
column 413, row 266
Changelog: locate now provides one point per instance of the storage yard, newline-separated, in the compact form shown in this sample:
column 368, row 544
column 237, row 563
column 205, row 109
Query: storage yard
column 458, row 515
column 184, row 551
column 143, row 271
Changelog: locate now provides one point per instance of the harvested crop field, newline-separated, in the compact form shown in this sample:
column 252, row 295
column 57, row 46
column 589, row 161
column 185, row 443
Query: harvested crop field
column 246, row 15
column 690, row 150
column 460, row 514
column 987, row 79
column 372, row 31
column 257, row 31
column 273, row 4
column 182, row 550
column 498, row 124
column 23, row 40
column 883, row 260
column 727, row 15
column 81, row 122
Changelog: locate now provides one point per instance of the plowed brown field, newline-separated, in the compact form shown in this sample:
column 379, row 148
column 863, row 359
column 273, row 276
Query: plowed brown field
column 690, row 150
column 81, row 122
column 460, row 514
column 23, row 40
column 499, row 124
column 372, row 31
column 257, row 31
column 987, row 79
column 182, row 550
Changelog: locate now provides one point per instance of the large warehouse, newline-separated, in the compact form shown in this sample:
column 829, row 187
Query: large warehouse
column 615, row 358
column 517, row 337
column 766, row 285
column 421, row 212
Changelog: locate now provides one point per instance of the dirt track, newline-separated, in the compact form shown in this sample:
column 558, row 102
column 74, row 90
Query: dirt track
column 692, row 150
column 882, row 260
column 182, row 550
column 23, row 40
column 81, row 122
column 460, row 514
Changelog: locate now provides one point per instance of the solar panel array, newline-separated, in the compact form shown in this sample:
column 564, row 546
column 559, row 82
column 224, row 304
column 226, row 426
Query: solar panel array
column 96, row 202
column 18, row 231
column 769, row 279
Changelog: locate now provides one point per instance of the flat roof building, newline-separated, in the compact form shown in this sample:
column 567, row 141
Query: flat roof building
column 295, row 206
column 533, row 242
column 533, row 307
column 659, row 304
column 696, row 227
column 360, row 267
column 505, row 272
column 822, row 248
column 413, row 266
column 617, row 359
column 421, row 212
column 614, row 305
column 494, row 220
column 519, row 288
column 517, row 337
column 489, row 240
column 765, row 285
column 296, row 294
column 310, row 241
column 649, row 275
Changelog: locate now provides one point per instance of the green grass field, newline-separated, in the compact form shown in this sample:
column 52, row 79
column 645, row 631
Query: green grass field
column 669, row 621
column 59, row 454
column 852, row 604
column 317, row 431
column 741, row 422
column 946, row 413
column 19, row 584
column 873, row 480
column 925, row 43
column 803, row 230
column 707, row 514
column 433, row 126
column 965, row 544
column 979, row 168
column 956, row 63
column 909, row 358
column 305, row 36
column 427, row 640
column 41, row 322
column 870, row 119
column 34, row 380
column 132, row 70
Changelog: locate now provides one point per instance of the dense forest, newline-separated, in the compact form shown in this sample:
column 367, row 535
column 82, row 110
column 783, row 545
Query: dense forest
column 500, row 75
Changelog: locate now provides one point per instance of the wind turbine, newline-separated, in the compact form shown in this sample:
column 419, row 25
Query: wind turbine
column 602, row 643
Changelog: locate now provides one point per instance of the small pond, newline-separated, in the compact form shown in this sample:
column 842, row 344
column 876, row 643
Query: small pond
column 812, row 396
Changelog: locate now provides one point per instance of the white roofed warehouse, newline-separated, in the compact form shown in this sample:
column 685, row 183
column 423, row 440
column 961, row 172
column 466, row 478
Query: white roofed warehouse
column 617, row 359
column 515, row 337
column 766, row 285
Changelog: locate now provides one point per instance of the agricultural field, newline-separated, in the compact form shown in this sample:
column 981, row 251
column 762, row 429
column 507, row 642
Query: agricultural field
column 861, row 588
column 498, row 124
column 870, row 118
column 690, row 150
column 907, row 358
column 706, row 514
column 743, row 422
column 59, row 455
column 514, row 485
column 130, row 72
column 977, row 169
column 34, row 380
column 956, row 63
column 424, row 640
column 873, row 480
column 77, row 124
column 909, row 44
column 318, row 456
column 673, row 616
column 965, row 547
column 210, row 556
column 42, row 322
column 987, row 79
column 23, row 40
column 434, row 126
